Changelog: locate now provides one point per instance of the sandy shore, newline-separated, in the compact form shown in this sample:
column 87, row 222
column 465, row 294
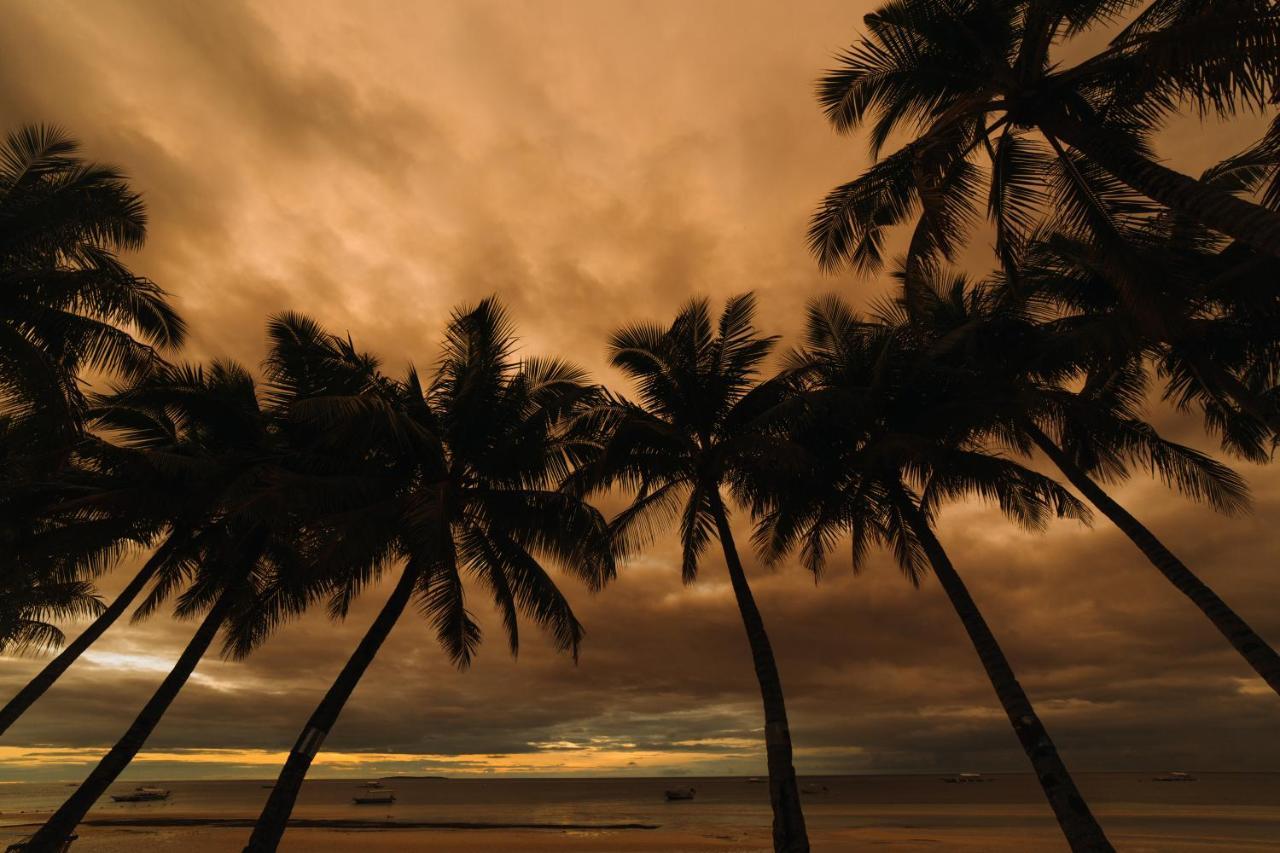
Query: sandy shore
column 219, row 839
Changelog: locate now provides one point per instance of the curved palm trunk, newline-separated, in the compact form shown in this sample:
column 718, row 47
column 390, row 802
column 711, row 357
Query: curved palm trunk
column 789, row 833
column 1261, row 656
column 1250, row 223
column 62, row 823
column 271, row 824
column 1080, row 827
column 52, row 671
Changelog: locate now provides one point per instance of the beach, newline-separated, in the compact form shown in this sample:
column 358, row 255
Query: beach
column 1219, row 812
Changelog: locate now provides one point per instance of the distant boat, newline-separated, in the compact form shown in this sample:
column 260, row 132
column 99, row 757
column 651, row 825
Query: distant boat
column 380, row 797
column 756, row 779
column 681, row 793
column 267, row 786
column 374, row 784
column 1176, row 776
column 142, row 794
column 814, row 788
column 964, row 778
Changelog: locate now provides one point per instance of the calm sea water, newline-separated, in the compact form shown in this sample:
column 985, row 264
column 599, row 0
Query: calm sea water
column 1234, row 805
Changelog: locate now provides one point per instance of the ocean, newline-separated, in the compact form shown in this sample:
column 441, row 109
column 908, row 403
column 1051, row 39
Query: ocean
column 1218, row 808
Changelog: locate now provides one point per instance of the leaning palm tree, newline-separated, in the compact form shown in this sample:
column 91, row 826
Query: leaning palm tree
column 698, row 428
column 976, row 79
column 884, row 456
column 67, row 303
column 458, row 478
column 200, row 433
column 1021, row 376
column 119, row 497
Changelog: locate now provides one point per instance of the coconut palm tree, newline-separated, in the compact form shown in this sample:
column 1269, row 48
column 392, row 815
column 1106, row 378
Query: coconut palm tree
column 885, row 455
column 696, row 429
column 976, row 79
column 1018, row 372
column 461, row 478
column 115, row 497
column 67, row 303
column 208, row 446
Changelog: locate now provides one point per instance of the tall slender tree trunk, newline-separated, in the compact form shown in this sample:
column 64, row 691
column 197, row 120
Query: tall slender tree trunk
column 1223, row 212
column 275, row 814
column 789, row 835
column 52, row 671
column 1261, row 656
column 1081, row 828
column 57, row 828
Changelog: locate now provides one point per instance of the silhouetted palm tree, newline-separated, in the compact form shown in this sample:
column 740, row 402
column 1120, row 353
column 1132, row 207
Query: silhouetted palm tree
column 696, row 429
column 111, row 497
column 67, row 303
column 195, row 432
column 973, row 78
column 1018, row 372
column 461, row 476
column 885, row 456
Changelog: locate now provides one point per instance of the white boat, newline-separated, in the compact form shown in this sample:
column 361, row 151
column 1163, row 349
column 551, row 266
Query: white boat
column 1176, row 776
column 681, row 793
column 965, row 778
column 381, row 796
column 142, row 794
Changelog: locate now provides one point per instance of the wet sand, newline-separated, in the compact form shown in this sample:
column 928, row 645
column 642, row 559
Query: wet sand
column 1133, row 837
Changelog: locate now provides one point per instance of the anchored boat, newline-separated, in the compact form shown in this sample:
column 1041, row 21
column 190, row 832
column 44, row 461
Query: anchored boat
column 681, row 793
column 374, row 797
column 142, row 794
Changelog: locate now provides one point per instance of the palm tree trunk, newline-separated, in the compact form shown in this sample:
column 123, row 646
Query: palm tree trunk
column 1081, row 828
column 45, row 679
column 57, row 828
column 789, row 833
column 1246, row 641
column 271, row 824
column 1250, row 223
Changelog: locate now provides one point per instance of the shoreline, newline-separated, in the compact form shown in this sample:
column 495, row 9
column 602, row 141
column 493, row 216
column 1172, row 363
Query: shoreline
column 342, row 823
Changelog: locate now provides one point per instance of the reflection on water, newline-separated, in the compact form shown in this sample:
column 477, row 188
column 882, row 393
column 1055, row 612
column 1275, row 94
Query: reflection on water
column 1227, row 804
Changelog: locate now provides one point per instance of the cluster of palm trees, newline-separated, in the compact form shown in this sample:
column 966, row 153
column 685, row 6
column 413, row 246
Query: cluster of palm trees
column 259, row 497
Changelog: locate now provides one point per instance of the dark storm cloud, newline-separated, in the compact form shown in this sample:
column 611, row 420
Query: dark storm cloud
column 592, row 164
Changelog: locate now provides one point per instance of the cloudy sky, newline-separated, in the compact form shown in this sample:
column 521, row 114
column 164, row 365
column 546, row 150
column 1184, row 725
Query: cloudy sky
column 375, row 164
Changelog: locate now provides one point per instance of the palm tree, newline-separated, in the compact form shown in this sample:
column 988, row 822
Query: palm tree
column 1018, row 370
column 207, row 444
column 461, row 477
column 973, row 78
column 698, row 427
column 67, row 303
column 885, row 454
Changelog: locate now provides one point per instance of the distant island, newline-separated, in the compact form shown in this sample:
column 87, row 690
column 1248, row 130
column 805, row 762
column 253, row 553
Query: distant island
column 412, row 777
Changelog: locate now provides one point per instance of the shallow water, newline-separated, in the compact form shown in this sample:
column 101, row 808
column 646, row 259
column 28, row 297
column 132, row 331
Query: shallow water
column 1244, row 807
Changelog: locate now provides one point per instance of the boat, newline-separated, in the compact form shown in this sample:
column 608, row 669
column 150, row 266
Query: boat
column 756, row 779
column 374, row 784
column 142, row 794
column 965, row 778
column 681, row 793
column 380, row 797
column 814, row 788
column 1176, row 776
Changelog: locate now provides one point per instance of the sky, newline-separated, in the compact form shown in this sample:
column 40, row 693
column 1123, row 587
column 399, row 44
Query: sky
column 376, row 164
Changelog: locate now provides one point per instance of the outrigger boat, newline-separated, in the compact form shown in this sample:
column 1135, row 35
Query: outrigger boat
column 681, row 793
column 381, row 796
column 142, row 794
